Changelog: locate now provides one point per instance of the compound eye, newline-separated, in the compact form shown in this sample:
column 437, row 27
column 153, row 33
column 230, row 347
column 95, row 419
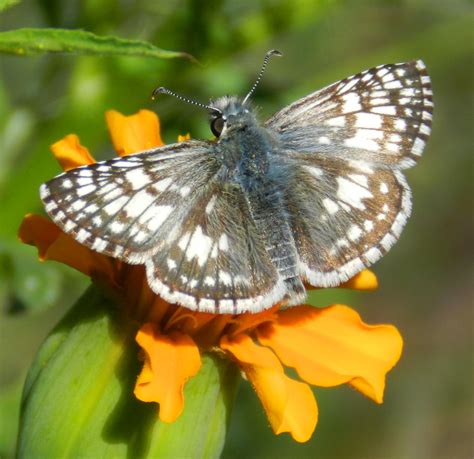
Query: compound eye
column 217, row 125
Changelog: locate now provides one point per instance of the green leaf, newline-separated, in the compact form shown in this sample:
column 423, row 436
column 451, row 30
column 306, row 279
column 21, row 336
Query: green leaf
column 25, row 42
column 5, row 4
column 78, row 398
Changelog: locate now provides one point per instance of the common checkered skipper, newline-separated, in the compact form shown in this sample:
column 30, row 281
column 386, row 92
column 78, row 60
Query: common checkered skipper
column 313, row 195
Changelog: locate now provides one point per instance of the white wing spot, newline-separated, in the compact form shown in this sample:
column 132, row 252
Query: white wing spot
column 400, row 125
column 368, row 120
column 140, row 236
column 183, row 242
column 82, row 181
column 70, row 225
column 351, row 103
column 66, row 183
column 139, row 204
column 354, row 233
column 209, row 281
column 99, row 245
column 315, row 171
column 210, row 205
column 76, row 205
column 385, row 109
column 373, row 254
column 160, row 214
column 424, row 129
column 387, row 241
column 223, row 242
column 339, row 121
column 52, row 205
column 379, row 101
column 162, row 185
column 383, row 188
column 352, row 193
column 361, row 166
column 82, row 235
column 225, row 278
column 184, row 191
column 116, row 227
column 199, row 246
column 349, row 84
column 368, row 225
column 85, row 190
column 361, row 141
column 137, row 178
column 407, row 92
column 418, row 146
column 393, row 85
column 171, row 263
column 91, row 208
column 342, row 243
column 330, row 206
column 360, row 179
column 114, row 206
column 393, row 147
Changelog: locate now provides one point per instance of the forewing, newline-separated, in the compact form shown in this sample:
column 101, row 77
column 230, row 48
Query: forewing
column 124, row 206
column 216, row 261
column 344, row 216
column 382, row 115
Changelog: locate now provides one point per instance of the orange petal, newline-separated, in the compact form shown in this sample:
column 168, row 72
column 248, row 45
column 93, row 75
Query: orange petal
column 134, row 133
column 70, row 153
column 53, row 244
column 243, row 322
column 289, row 404
column 170, row 361
column 38, row 231
column 332, row 346
column 365, row 280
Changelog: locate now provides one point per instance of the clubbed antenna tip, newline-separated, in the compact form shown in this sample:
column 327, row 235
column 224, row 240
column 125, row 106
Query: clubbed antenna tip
column 163, row 90
column 272, row 52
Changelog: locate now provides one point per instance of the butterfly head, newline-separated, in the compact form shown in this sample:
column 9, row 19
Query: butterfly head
column 229, row 114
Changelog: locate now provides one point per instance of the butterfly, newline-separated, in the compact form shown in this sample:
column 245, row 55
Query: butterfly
column 237, row 224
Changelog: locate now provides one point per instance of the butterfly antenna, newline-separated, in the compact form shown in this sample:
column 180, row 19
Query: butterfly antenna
column 272, row 52
column 162, row 90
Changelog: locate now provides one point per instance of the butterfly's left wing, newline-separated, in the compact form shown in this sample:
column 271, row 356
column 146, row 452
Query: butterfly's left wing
column 346, row 144
column 173, row 210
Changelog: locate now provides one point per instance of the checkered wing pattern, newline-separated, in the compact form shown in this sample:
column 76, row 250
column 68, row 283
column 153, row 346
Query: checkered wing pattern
column 348, row 200
column 382, row 115
column 122, row 207
column 169, row 209
column 215, row 261
column 345, row 215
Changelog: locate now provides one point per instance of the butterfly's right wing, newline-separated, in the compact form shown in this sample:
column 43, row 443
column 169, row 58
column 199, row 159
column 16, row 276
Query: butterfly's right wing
column 170, row 209
column 380, row 116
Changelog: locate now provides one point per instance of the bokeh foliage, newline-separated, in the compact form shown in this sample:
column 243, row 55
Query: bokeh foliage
column 425, row 280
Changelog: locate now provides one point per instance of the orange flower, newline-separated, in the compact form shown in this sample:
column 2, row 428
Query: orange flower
column 326, row 346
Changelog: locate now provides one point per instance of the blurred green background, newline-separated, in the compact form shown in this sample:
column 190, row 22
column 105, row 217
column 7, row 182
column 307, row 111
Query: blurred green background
column 425, row 280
